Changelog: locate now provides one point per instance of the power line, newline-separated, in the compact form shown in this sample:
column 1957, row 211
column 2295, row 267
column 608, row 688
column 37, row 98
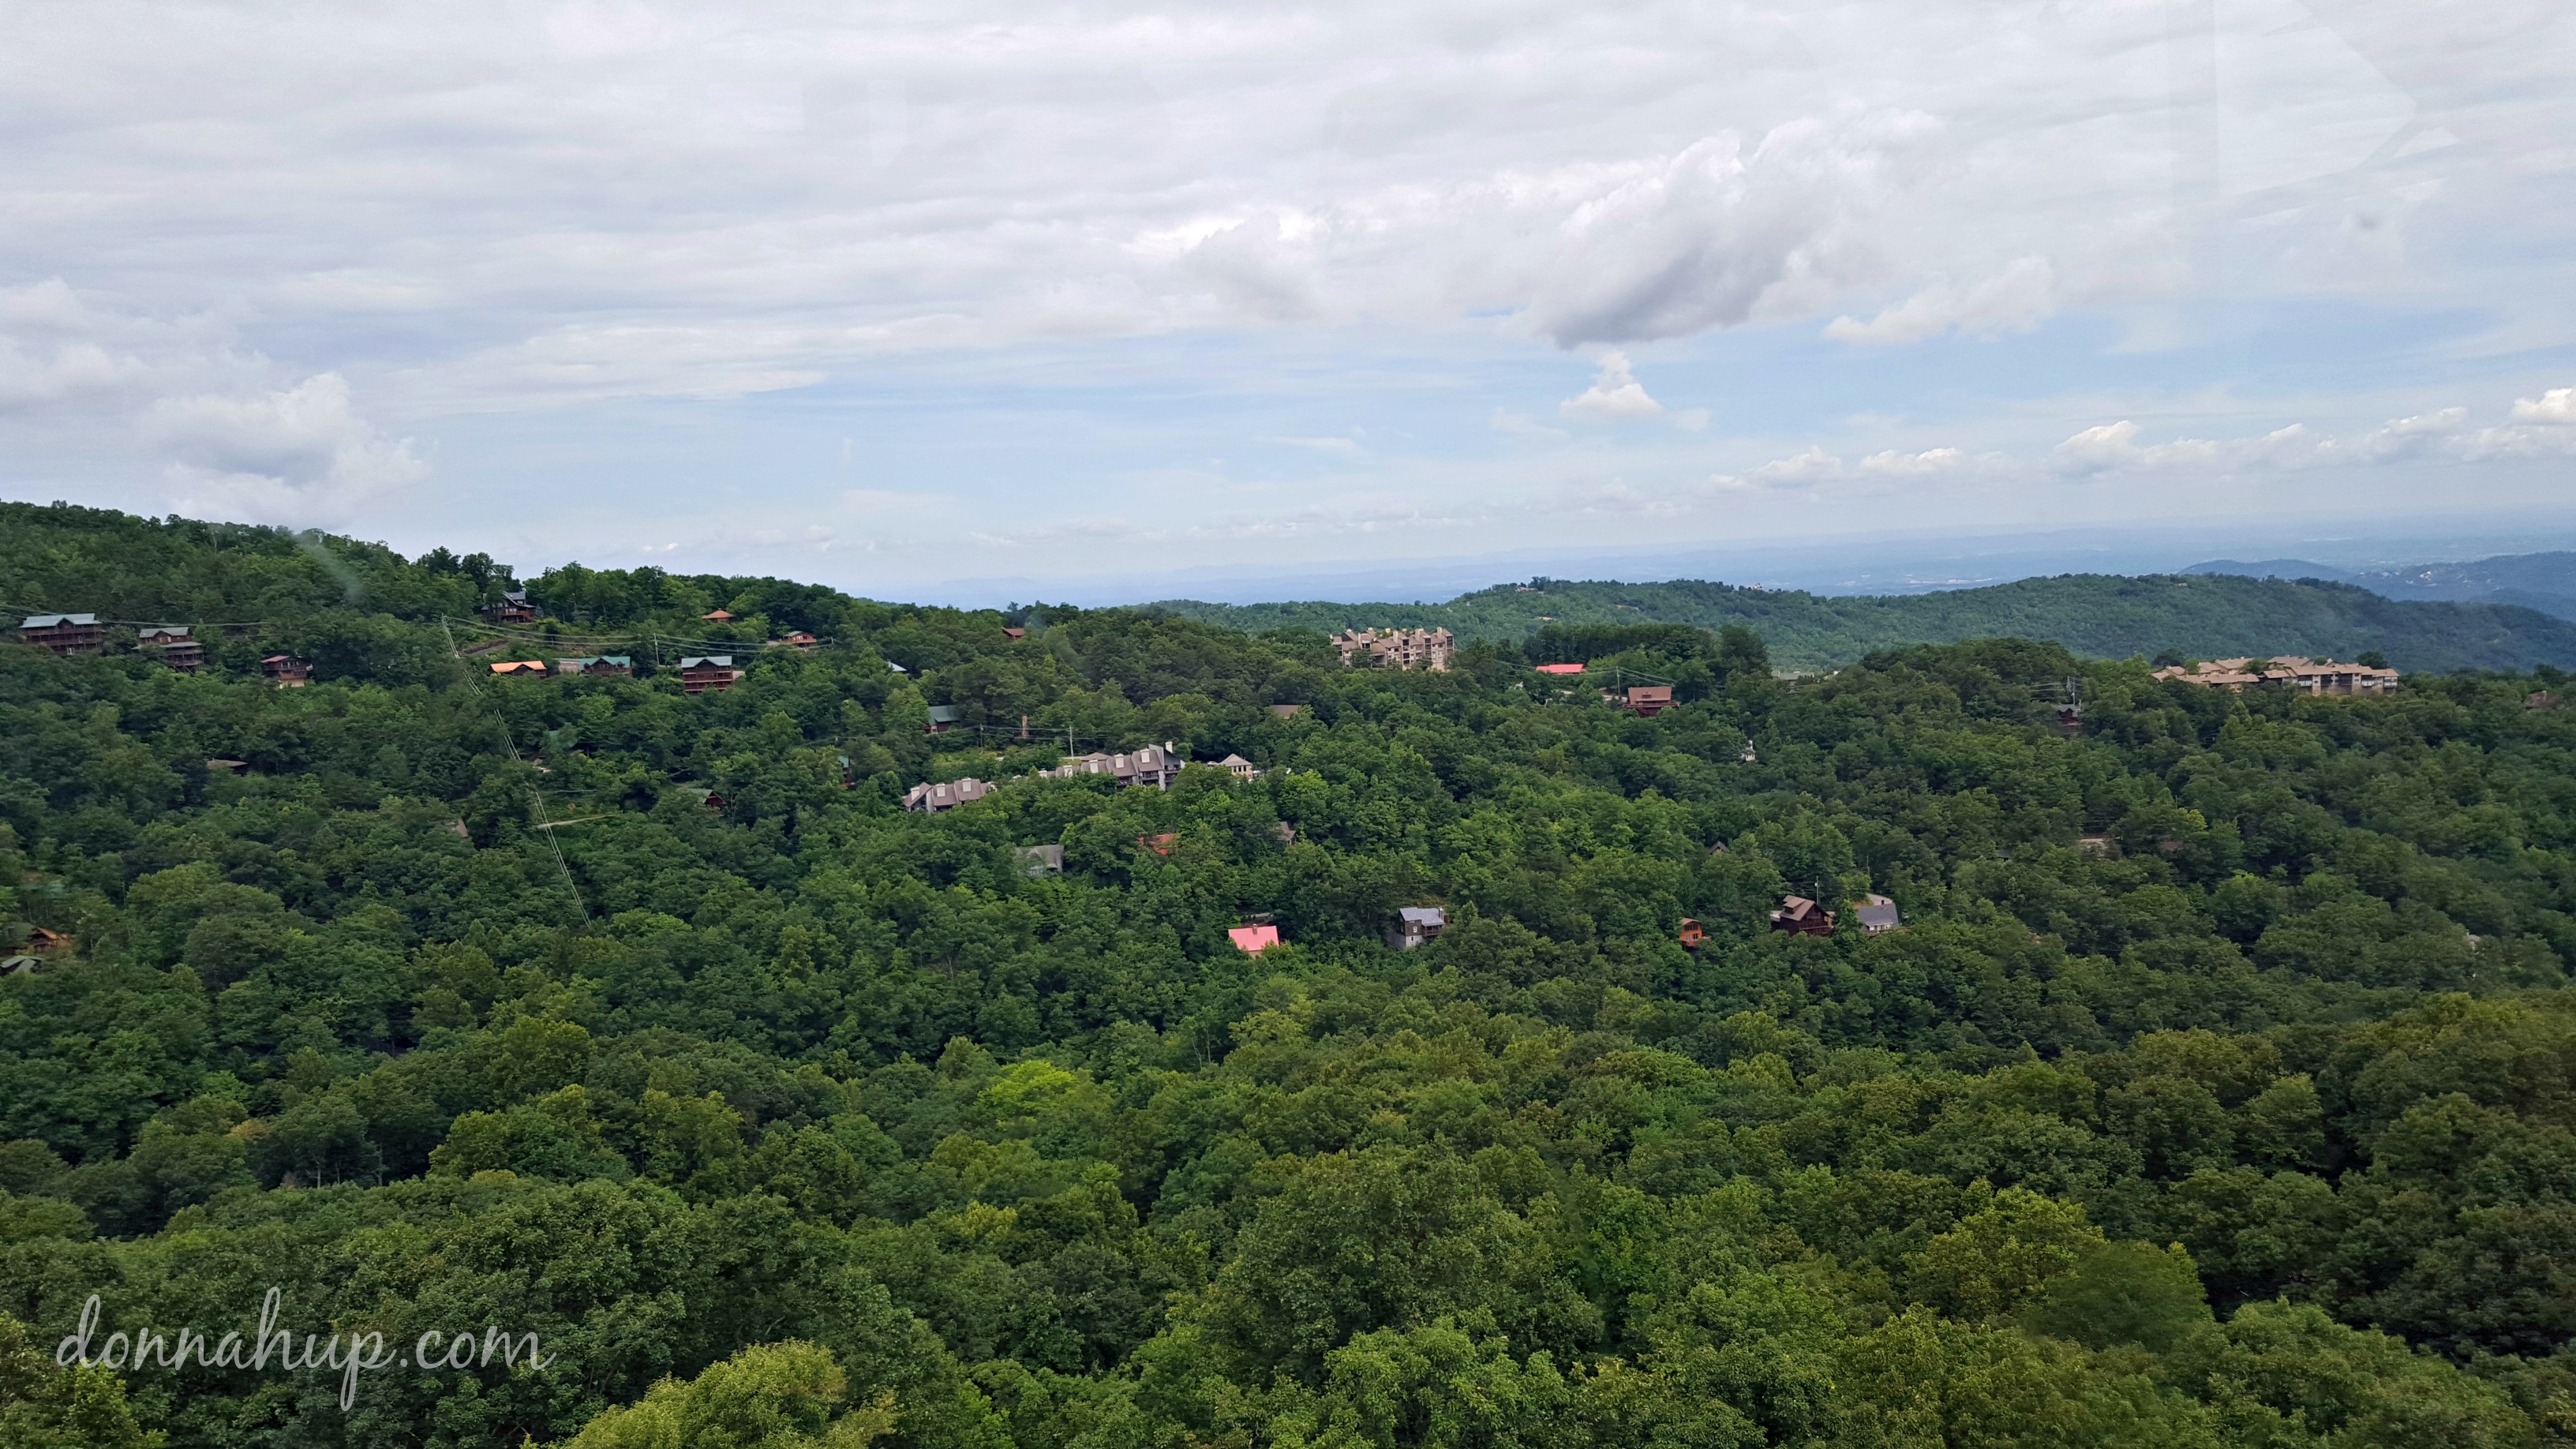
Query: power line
column 536, row 792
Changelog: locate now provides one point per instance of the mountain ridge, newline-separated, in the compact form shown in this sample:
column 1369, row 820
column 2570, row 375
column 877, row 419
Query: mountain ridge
column 2110, row 615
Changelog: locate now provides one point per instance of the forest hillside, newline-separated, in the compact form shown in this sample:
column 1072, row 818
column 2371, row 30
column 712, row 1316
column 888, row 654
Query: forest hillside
column 2213, row 1083
column 2203, row 616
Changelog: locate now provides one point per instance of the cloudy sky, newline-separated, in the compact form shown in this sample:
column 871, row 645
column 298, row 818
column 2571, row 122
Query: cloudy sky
column 891, row 294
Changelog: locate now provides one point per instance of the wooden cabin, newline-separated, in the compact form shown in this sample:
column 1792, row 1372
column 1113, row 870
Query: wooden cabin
column 1647, row 700
column 1416, row 926
column 708, row 673
column 286, row 671
column 513, row 608
column 1802, row 917
column 1691, row 934
column 64, row 634
column 173, row 645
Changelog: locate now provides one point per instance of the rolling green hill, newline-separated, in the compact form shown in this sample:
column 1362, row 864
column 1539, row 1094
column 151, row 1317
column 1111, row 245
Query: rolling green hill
column 2207, row 616
column 2196, row 1079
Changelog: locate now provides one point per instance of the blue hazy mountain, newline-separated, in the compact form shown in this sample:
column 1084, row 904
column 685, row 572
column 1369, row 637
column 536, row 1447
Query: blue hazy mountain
column 2542, row 581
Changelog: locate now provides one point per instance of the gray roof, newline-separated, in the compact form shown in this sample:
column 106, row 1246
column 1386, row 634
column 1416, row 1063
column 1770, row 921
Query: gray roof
column 943, row 714
column 720, row 661
column 47, row 621
column 165, row 631
column 1877, row 911
column 1424, row 915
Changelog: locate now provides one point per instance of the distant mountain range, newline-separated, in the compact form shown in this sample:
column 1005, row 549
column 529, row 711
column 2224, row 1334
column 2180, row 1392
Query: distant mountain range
column 2219, row 611
column 2543, row 581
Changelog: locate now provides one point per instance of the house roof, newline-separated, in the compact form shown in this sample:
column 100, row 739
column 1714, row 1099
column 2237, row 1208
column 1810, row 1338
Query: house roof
column 1254, row 939
column 1878, row 913
column 716, row 661
column 1649, row 693
column 943, row 714
column 48, row 621
column 949, row 792
column 162, row 631
column 719, row 616
column 1559, row 668
column 515, row 666
column 1423, row 915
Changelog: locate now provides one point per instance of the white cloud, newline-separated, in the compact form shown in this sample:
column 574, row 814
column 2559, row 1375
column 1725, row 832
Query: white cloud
column 472, row 207
column 2112, row 447
column 295, row 455
column 2556, row 407
column 2016, row 299
column 2410, row 437
column 1931, row 462
column 1800, row 470
column 1615, row 393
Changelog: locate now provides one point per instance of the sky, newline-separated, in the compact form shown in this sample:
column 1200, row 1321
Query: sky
column 896, row 295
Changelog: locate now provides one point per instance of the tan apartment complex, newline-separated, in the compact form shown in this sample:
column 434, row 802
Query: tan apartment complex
column 2309, row 676
column 1395, row 648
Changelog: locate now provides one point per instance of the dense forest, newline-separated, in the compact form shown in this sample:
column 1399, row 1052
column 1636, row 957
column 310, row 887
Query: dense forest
column 2218, row 1087
column 2204, row 616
